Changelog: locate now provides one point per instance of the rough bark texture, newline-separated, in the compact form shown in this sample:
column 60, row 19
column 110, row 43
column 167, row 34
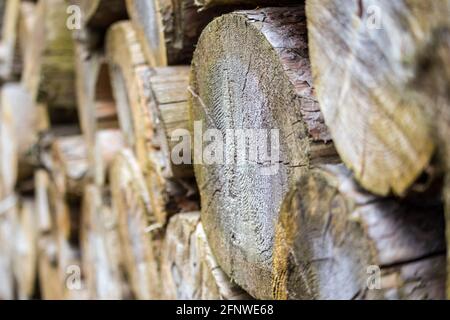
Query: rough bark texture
column 140, row 234
column 331, row 232
column 49, row 61
column 251, row 71
column 189, row 270
column 102, row 264
column 100, row 14
column 374, row 49
column 169, row 29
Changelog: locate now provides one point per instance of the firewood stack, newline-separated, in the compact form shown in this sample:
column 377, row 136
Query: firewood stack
column 205, row 149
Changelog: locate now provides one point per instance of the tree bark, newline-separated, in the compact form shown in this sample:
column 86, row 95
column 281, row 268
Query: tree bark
column 101, row 248
column 25, row 250
column 251, row 71
column 374, row 48
column 140, row 234
column 331, row 233
column 100, row 14
column 189, row 270
column 169, row 29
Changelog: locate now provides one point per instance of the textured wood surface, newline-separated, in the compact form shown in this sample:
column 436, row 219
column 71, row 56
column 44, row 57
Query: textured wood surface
column 374, row 49
column 139, row 232
column 100, row 14
column 124, row 55
column 70, row 165
column 189, row 270
column 101, row 250
column 25, row 250
column 169, row 29
column 8, row 37
column 49, row 61
column 330, row 232
column 251, row 71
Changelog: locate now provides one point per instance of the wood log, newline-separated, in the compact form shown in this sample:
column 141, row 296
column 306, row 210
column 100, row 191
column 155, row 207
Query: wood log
column 16, row 101
column 8, row 213
column 124, row 56
column 169, row 30
column 108, row 144
column 140, row 234
column 60, row 273
column 161, row 127
column 49, row 282
column 189, row 270
column 152, row 106
column 251, row 71
column 8, row 152
column 8, row 36
column 27, row 13
column 49, row 61
column 96, row 107
column 374, row 49
column 25, row 250
column 100, row 248
column 70, row 165
column 100, row 14
column 331, row 233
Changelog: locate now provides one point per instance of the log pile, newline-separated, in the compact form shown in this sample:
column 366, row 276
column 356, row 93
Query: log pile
column 215, row 149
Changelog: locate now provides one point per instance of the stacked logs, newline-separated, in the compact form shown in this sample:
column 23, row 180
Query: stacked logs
column 209, row 150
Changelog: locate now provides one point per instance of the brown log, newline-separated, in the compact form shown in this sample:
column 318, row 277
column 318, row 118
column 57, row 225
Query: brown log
column 189, row 270
column 169, row 30
column 100, row 14
column 140, row 234
column 8, row 35
column 25, row 250
column 331, row 232
column 49, row 61
column 375, row 51
column 101, row 248
column 251, row 71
